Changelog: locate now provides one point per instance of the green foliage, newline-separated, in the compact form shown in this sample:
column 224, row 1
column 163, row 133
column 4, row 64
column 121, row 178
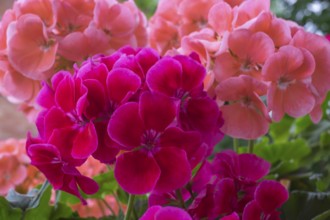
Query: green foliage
column 148, row 7
column 7, row 212
column 307, row 205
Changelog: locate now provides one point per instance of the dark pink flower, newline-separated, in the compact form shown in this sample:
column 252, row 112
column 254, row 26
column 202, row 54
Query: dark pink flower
column 269, row 196
column 146, row 158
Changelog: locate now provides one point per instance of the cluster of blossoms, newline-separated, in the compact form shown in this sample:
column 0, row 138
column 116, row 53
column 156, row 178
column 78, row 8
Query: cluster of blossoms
column 40, row 37
column 229, row 187
column 249, row 54
column 149, row 115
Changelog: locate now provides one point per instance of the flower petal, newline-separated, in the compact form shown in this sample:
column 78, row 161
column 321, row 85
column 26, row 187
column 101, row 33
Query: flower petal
column 270, row 195
column 172, row 176
column 165, row 76
column 157, row 111
column 122, row 83
column 137, row 172
column 85, row 142
column 252, row 167
column 120, row 127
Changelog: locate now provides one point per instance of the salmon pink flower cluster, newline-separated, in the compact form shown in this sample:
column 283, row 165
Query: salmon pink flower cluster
column 273, row 66
column 145, row 113
column 41, row 37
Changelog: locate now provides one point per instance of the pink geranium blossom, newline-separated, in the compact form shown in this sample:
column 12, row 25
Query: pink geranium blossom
column 289, row 71
column 245, row 114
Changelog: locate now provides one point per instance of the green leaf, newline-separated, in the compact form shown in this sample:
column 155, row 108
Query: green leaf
column 281, row 131
column 7, row 212
column 43, row 210
column 284, row 156
column 306, row 205
column 67, row 198
column 61, row 211
column 107, row 183
column 324, row 216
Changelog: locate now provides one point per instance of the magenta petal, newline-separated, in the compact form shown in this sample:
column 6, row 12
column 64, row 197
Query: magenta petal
column 252, row 211
column 137, row 172
column 120, row 127
column 64, row 94
column 46, row 97
column 87, row 185
column 232, row 216
column 252, row 167
column 85, row 142
column 193, row 72
column 48, row 160
column 55, row 118
column 173, row 213
column 225, row 196
column 175, row 172
column 165, row 76
column 122, row 82
column 157, row 110
column 96, row 99
column 270, row 195
column 150, row 213
column 147, row 57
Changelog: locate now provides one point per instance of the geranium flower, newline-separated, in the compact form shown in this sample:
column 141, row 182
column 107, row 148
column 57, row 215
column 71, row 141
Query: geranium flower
column 289, row 71
column 146, row 158
column 247, row 52
column 269, row 196
column 245, row 115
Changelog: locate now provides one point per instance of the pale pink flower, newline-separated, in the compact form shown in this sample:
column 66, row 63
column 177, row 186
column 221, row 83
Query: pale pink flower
column 277, row 29
column 245, row 115
column 289, row 72
column 246, row 54
column 30, row 50
column 320, row 49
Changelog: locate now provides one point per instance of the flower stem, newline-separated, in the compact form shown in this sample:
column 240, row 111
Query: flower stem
column 130, row 206
column 236, row 144
column 250, row 146
column 179, row 195
column 39, row 194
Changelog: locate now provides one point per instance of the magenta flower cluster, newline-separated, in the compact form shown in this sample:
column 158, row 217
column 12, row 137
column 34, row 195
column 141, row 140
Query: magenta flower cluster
column 147, row 114
column 229, row 188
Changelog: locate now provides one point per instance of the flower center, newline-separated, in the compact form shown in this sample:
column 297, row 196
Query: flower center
column 150, row 139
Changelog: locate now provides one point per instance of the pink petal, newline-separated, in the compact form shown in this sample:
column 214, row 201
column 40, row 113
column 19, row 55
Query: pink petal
column 85, row 143
column 298, row 100
column 270, row 195
column 29, row 49
column 46, row 97
column 122, row 83
column 165, row 76
column 275, row 102
column 260, row 48
column 157, row 111
column 220, row 17
column 137, row 172
column 226, row 66
column 243, row 122
column 172, row 176
column 120, row 127
column 238, row 42
column 74, row 47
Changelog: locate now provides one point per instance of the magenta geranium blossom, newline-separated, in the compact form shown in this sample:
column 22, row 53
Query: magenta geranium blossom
column 147, row 159
column 165, row 213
